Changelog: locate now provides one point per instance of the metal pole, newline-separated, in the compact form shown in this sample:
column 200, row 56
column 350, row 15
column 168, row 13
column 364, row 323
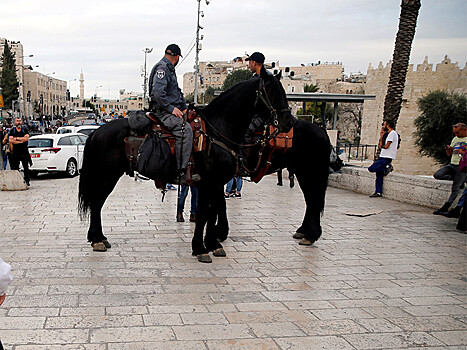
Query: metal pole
column 145, row 84
column 334, row 122
column 197, row 55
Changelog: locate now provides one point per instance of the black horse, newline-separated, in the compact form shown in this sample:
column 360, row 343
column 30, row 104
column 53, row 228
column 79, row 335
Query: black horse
column 227, row 120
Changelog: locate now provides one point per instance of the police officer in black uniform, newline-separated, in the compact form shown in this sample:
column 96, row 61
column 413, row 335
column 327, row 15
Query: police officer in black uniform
column 169, row 105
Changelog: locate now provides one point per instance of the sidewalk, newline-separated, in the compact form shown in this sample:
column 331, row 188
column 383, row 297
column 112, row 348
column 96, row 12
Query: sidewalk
column 395, row 280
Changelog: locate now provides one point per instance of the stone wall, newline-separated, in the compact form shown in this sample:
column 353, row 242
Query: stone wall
column 446, row 76
column 413, row 189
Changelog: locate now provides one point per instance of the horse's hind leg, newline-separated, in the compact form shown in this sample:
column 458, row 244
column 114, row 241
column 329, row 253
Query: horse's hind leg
column 314, row 198
column 95, row 234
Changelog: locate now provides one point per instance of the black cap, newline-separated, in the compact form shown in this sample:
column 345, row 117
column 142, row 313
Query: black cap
column 173, row 50
column 257, row 57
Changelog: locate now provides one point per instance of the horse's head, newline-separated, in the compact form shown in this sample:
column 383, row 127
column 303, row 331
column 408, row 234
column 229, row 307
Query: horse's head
column 275, row 108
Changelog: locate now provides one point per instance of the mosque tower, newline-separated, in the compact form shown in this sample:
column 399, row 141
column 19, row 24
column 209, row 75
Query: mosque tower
column 81, row 86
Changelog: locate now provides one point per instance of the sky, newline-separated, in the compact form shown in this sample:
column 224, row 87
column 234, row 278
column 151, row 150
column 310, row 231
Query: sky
column 105, row 39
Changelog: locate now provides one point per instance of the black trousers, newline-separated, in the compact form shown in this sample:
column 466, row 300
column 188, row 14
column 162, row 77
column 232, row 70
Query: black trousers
column 14, row 165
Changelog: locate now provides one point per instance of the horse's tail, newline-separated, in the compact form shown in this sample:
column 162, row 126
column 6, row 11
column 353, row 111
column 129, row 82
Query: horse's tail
column 86, row 187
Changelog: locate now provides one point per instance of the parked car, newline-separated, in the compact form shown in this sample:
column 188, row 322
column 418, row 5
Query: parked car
column 83, row 129
column 57, row 152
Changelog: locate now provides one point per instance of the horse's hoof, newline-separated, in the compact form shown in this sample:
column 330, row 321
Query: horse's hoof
column 99, row 247
column 107, row 244
column 305, row 241
column 219, row 252
column 204, row 258
column 298, row 235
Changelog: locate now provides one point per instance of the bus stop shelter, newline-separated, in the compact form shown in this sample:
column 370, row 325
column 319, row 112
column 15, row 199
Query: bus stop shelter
column 328, row 98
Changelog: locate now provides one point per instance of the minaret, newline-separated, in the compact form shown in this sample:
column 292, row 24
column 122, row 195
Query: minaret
column 81, row 86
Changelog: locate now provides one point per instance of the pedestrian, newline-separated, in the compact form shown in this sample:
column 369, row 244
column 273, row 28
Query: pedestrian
column 5, row 279
column 169, row 106
column 181, row 203
column 18, row 139
column 291, row 178
column 452, row 171
column 5, row 147
column 238, row 184
column 383, row 166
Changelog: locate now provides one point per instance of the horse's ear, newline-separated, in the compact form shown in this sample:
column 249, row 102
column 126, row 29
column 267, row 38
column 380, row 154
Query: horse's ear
column 279, row 75
column 263, row 73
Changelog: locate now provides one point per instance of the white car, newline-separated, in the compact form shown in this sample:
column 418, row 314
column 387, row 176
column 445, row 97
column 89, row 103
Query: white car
column 83, row 129
column 57, row 152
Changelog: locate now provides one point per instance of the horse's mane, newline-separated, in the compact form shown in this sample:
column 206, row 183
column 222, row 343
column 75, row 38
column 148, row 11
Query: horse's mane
column 231, row 97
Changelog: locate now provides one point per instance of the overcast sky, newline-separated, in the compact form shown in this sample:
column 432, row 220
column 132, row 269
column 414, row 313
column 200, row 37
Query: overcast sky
column 106, row 38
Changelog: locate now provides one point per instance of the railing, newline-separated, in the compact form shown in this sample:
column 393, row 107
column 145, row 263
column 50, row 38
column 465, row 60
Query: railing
column 356, row 151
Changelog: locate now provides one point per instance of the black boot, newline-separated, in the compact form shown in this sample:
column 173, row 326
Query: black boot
column 180, row 217
column 453, row 213
column 462, row 223
column 444, row 208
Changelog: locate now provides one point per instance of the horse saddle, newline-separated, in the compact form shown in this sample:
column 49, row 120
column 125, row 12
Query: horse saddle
column 133, row 143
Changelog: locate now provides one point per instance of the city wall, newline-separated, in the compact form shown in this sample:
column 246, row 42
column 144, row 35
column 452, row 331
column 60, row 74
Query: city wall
column 446, row 76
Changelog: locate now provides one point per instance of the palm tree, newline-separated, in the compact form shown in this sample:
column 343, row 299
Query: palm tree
column 400, row 59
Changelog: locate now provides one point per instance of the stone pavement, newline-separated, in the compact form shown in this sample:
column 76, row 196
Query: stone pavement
column 395, row 280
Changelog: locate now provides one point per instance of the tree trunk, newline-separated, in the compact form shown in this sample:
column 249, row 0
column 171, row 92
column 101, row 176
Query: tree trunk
column 400, row 59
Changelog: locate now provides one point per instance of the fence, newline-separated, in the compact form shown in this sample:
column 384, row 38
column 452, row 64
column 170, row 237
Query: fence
column 357, row 151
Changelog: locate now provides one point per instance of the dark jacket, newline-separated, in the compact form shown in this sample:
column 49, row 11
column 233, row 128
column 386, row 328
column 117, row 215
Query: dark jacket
column 163, row 87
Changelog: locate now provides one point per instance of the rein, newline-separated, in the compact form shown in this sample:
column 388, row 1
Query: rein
column 261, row 95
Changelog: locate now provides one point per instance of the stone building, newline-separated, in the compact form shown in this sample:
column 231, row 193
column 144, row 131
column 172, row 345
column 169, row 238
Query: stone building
column 213, row 73
column 33, row 85
column 446, row 76
column 47, row 94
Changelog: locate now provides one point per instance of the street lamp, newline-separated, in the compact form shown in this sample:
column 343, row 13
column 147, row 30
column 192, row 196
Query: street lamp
column 198, row 48
column 145, row 83
column 68, row 94
column 21, row 82
column 49, row 79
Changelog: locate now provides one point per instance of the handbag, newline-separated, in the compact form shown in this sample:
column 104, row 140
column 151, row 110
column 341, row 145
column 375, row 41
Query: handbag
column 463, row 163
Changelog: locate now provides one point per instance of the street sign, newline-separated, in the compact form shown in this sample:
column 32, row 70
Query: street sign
column 1, row 101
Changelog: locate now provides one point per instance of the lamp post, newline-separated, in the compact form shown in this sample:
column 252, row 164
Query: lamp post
column 21, row 83
column 198, row 48
column 145, row 83
column 68, row 95
column 49, row 79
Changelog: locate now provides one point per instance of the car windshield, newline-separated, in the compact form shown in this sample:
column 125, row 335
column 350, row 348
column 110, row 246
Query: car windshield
column 38, row 143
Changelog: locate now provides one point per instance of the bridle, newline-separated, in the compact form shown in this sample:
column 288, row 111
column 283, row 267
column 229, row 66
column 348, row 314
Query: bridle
column 261, row 95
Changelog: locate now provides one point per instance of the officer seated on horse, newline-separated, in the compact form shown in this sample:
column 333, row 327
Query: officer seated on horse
column 169, row 106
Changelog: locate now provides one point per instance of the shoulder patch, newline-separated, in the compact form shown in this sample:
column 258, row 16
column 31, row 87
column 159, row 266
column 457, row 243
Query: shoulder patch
column 160, row 73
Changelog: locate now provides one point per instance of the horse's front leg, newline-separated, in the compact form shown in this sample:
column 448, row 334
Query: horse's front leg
column 215, row 215
column 197, row 243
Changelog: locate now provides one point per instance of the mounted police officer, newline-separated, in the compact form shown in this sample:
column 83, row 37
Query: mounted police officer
column 169, row 106
column 256, row 65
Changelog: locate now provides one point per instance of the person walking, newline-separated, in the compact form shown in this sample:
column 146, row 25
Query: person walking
column 169, row 105
column 451, row 171
column 383, row 166
column 18, row 138
column 238, row 185
column 181, row 203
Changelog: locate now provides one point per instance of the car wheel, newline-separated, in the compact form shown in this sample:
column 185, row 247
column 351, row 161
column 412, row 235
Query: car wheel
column 71, row 168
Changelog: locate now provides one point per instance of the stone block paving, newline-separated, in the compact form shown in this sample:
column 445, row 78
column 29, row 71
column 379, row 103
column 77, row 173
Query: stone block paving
column 395, row 280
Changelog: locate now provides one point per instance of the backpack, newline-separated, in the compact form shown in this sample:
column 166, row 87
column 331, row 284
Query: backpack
column 154, row 158
column 385, row 136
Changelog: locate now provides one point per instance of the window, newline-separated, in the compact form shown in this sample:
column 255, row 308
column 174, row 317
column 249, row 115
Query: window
column 36, row 143
column 75, row 140
column 65, row 141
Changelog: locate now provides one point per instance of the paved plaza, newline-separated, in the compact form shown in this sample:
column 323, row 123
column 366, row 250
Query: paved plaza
column 393, row 280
